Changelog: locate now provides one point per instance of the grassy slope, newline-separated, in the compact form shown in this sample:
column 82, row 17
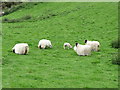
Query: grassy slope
column 56, row 67
column 0, row 55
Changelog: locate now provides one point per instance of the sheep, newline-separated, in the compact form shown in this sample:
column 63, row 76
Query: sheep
column 67, row 45
column 44, row 43
column 94, row 45
column 21, row 48
column 2, row 13
column 82, row 50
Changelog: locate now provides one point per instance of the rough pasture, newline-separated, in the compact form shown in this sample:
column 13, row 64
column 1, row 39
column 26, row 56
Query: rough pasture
column 56, row 67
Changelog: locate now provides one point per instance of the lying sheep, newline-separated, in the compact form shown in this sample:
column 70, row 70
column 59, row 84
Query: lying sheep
column 67, row 45
column 82, row 50
column 44, row 44
column 21, row 48
column 94, row 45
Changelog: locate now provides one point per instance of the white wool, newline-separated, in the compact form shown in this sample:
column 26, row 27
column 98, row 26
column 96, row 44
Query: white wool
column 75, row 48
column 21, row 48
column 82, row 49
column 3, row 12
column 67, row 45
column 44, row 43
column 94, row 45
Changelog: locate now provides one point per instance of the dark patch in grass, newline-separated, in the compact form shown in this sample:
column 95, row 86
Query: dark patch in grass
column 46, row 17
column 115, row 43
column 16, row 33
column 4, row 61
column 97, row 62
column 28, row 17
column 16, row 27
column 18, row 6
column 0, row 32
column 17, row 41
column 6, row 20
column 116, row 59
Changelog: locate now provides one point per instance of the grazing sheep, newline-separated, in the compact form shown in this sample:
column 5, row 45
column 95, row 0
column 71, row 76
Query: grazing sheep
column 94, row 45
column 21, row 48
column 44, row 44
column 82, row 50
column 67, row 45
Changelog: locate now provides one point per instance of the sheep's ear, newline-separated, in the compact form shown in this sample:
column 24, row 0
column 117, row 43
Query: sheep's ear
column 76, row 44
column 85, row 41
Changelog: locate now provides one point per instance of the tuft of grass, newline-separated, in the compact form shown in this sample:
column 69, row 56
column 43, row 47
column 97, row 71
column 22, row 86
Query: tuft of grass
column 116, row 59
column 116, row 43
column 24, row 18
column 18, row 6
column 5, row 20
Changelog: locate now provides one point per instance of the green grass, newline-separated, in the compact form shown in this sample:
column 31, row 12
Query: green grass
column 56, row 67
column 0, row 55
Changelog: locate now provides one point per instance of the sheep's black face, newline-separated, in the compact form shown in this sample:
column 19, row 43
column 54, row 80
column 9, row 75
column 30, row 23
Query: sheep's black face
column 85, row 41
column 13, row 50
column 40, row 47
column 65, row 45
column 76, row 44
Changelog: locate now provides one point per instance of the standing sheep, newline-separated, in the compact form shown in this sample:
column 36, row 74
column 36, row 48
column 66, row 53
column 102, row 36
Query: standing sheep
column 82, row 50
column 67, row 45
column 44, row 44
column 94, row 45
column 21, row 48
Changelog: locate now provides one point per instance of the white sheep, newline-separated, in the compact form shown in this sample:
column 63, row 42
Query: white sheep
column 2, row 13
column 67, row 45
column 21, row 48
column 82, row 50
column 44, row 44
column 95, row 45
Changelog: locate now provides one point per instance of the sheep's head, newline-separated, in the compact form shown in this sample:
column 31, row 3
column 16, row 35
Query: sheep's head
column 85, row 41
column 76, row 44
column 70, row 46
column 50, row 46
column 13, row 50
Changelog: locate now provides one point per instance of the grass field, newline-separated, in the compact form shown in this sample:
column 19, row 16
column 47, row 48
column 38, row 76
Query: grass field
column 0, row 54
column 56, row 67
